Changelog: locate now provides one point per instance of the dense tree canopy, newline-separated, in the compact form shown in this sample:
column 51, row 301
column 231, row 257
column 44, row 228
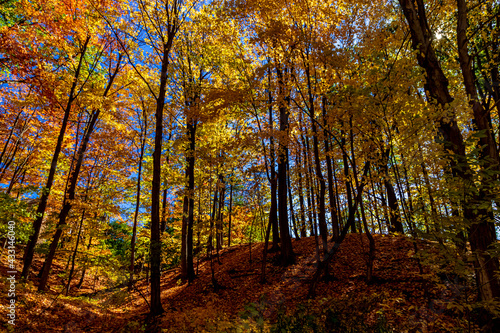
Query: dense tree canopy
column 151, row 133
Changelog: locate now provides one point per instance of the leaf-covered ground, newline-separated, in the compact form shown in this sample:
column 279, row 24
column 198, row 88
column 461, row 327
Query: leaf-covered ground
column 400, row 299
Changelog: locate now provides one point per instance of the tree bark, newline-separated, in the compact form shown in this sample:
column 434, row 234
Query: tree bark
column 480, row 114
column 287, row 256
column 70, row 277
column 273, row 211
column 329, row 166
column 218, row 224
column 323, row 229
column 187, row 264
column 301, row 196
column 481, row 233
column 72, row 183
column 163, row 224
column 322, row 266
column 68, row 200
column 40, row 212
column 230, row 215
column 347, row 181
column 155, row 243
column 137, row 203
column 290, row 199
column 395, row 215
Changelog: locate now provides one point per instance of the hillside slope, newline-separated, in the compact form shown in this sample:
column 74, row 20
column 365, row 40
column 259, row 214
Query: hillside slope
column 400, row 299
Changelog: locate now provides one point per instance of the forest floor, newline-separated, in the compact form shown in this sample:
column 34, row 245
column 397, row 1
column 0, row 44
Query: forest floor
column 400, row 298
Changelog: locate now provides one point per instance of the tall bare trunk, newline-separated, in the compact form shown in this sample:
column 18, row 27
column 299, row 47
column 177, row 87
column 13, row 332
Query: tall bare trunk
column 290, row 199
column 68, row 200
column 317, row 165
column 287, row 256
column 229, row 222
column 273, row 211
column 481, row 233
column 301, row 195
column 187, row 263
column 40, row 212
column 137, row 203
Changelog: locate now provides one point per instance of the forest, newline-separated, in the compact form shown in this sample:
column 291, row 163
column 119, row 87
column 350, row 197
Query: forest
column 249, row 165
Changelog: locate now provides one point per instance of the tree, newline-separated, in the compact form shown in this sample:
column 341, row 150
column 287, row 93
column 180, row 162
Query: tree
column 74, row 173
column 82, row 41
column 481, row 234
column 158, row 23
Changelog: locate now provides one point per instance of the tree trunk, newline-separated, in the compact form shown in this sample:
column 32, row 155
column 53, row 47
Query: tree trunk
column 395, row 215
column 187, row 263
column 68, row 285
column 311, row 186
column 163, row 224
column 350, row 220
column 290, row 198
column 323, row 229
column 11, row 133
column 287, row 256
column 68, row 201
column 309, row 191
column 218, row 224
column 480, row 114
column 155, row 243
column 273, row 212
column 79, row 284
column 301, row 196
column 264, row 254
column 212, row 219
column 347, row 182
column 371, row 252
column 330, row 171
column 481, row 234
column 137, row 204
column 40, row 212
column 230, row 215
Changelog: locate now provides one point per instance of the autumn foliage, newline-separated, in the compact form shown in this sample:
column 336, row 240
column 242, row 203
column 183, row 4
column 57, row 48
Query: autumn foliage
column 249, row 165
